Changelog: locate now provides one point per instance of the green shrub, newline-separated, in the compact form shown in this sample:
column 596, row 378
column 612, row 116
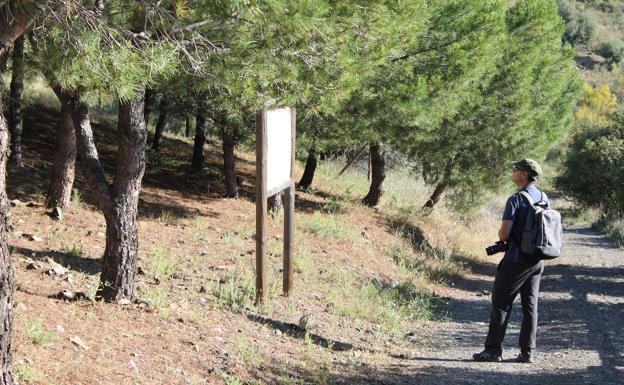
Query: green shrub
column 593, row 171
column 612, row 50
column 580, row 27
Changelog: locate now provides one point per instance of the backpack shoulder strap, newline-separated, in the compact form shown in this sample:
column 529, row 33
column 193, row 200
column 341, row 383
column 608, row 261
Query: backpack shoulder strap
column 528, row 197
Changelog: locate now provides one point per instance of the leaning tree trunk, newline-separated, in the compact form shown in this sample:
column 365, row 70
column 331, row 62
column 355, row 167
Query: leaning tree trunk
column 14, row 20
column 197, row 162
column 62, row 180
column 118, row 202
column 438, row 192
column 378, row 174
column 15, row 114
column 229, row 162
column 310, row 168
column 122, row 238
column 160, row 125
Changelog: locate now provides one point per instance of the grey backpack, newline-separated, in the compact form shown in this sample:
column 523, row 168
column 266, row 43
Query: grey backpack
column 541, row 236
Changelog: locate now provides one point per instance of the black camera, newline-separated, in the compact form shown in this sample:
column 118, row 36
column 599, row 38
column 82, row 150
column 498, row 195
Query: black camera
column 498, row 247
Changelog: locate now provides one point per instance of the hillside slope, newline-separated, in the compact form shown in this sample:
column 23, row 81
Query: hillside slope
column 366, row 281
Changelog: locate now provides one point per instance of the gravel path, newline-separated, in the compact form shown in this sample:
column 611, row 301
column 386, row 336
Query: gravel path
column 580, row 337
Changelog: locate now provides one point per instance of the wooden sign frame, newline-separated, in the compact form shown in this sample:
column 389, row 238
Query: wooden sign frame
column 262, row 194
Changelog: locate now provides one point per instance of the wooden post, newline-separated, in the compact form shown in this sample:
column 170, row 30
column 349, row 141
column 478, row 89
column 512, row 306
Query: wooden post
column 289, row 214
column 261, row 206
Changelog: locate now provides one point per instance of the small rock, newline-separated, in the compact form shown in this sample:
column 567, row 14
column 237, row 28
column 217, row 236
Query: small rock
column 20, row 307
column 89, row 233
column 31, row 204
column 60, row 329
column 56, row 268
column 70, row 296
column 124, row 301
column 18, row 234
column 278, row 332
column 15, row 202
column 132, row 364
column 69, row 278
column 201, row 289
column 79, row 342
column 202, row 301
column 34, row 266
column 66, row 295
column 485, row 292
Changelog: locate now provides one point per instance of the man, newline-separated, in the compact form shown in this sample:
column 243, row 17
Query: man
column 517, row 273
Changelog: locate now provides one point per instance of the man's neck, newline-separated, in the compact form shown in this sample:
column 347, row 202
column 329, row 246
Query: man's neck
column 526, row 185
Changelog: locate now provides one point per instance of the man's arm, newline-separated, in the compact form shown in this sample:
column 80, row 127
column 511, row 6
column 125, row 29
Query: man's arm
column 505, row 230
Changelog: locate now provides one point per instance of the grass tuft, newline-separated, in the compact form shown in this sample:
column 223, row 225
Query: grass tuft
column 37, row 334
column 235, row 291
column 161, row 263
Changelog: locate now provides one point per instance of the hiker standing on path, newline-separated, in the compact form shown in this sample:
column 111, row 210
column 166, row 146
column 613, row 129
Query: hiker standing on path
column 516, row 272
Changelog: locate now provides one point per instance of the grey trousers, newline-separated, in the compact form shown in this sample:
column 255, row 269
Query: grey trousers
column 511, row 279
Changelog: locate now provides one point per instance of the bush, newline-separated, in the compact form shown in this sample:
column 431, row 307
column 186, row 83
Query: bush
column 612, row 50
column 580, row 26
column 594, row 168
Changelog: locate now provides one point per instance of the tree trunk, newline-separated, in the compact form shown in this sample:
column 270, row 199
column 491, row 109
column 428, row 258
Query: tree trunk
column 62, row 180
column 122, row 245
column 118, row 202
column 6, row 269
column 4, row 61
column 187, row 121
column 149, row 104
column 438, row 192
column 378, row 174
column 15, row 108
column 160, row 125
column 308, row 172
column 197, row 162
column 229, row 162
column 13, row 22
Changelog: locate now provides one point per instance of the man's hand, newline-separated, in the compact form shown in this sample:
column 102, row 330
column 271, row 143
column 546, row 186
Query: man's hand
column 505, row 230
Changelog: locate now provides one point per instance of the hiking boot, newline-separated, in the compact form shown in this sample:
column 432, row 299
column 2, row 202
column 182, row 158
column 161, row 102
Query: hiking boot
column 486, row 356
column 524, row 358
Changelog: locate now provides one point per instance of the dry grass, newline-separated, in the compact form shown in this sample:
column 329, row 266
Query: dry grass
column 363, row 277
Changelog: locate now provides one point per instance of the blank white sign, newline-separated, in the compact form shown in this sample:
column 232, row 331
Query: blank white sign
column 279, row 143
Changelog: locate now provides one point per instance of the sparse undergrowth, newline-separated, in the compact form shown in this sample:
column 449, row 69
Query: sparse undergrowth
column 363, row 279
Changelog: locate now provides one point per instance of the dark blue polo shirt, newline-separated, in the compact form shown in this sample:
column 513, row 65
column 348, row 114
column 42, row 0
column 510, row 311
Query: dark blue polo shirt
column 516, row 210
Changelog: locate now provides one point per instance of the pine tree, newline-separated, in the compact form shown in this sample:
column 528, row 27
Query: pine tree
column 520, row 111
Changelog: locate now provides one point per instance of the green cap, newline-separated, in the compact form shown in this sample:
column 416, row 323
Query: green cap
column 530, row 166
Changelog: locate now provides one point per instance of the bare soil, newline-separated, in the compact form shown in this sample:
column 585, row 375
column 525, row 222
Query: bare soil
column 180, row 333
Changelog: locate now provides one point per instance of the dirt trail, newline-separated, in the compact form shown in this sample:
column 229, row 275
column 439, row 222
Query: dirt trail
column 581, row 333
